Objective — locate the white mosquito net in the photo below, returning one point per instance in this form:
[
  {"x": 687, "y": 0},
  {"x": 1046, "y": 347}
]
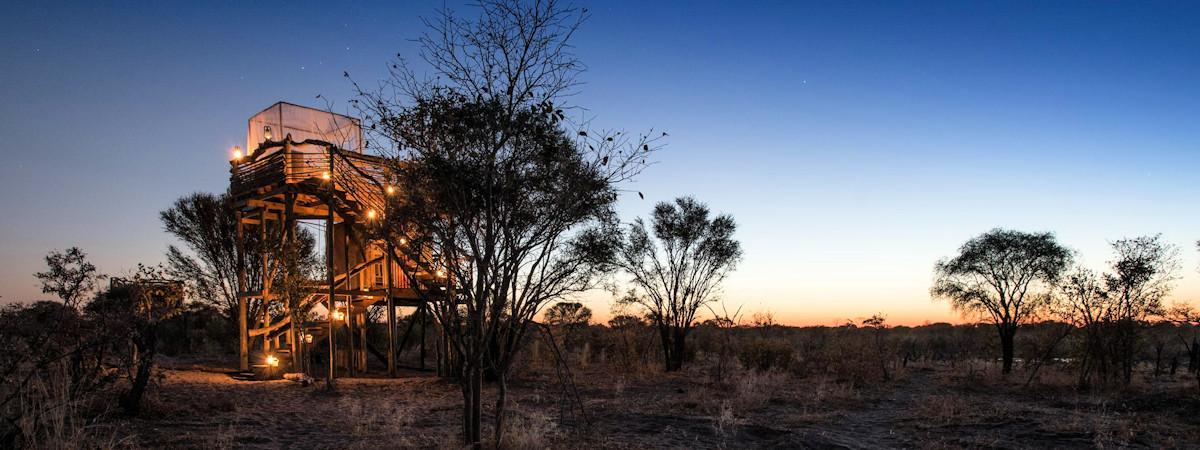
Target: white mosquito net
[{"x": 282, "y": 119}]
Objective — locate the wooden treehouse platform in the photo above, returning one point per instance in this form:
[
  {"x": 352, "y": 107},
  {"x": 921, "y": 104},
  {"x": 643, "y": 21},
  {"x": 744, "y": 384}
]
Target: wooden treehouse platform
[{"x": 305, "y": 176}]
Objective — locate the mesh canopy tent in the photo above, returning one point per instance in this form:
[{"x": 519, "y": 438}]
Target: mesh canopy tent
[{"x": 283, "y": 119}]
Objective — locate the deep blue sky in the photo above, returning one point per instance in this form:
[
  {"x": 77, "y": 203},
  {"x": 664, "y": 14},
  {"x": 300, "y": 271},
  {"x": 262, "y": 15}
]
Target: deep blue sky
[{"x": 854, "y": 142}]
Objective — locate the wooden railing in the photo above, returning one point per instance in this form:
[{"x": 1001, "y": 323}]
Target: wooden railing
[{"x": 361, "y": 177}]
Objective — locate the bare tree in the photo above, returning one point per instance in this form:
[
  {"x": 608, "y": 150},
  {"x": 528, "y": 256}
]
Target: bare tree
[
  {"x": 1187, "y": 320},
  {"x": 1004, "y": 276},
  {"x": 1082, "y": 302},
  {"x": 499, "y": 196},
  {"x": 134, "y": 308},
  {"x": 69, "y": 275},
  {"x": 678, "y": 268}
]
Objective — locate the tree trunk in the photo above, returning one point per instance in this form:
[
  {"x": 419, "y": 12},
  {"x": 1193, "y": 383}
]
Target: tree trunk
[
  {"x": 678, "y": 350},
  {"x": 1006, "y": 347},
  {"x": 501, "y": 398},
  {"x": 472, "y": 388},
  {"x": 665, "y": 339},
  {"x": 145, "y": 343}
]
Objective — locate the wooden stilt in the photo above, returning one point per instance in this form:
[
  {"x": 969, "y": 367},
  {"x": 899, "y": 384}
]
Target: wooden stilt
[
  {"x": 424, "y": 310},
  {"x": 391, "y": 314},
  {"x": 264, "y": 309},
  {"x": 352, "y": 357},
  {"x": 329, "y": 276},
  {"x": 289, "y": 235},
  {"x": 243, "y": 323}
]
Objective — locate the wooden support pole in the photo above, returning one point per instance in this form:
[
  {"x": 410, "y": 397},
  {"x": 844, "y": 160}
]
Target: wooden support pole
[
  {"x": 289, "y": 236},
  {"x": 352, "y": 358},
  {"x": 424, "y": 310},
  {"x": 362, "y": 339},
  {"x": 243, "y": 323},
  {"x": 329, "y": 276},
  {"x": 391, "y": 314},
  {"x": 265, "y": 317}
]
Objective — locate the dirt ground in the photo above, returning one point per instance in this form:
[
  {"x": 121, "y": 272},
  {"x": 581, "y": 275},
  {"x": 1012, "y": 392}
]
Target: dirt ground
[{"x": 930, "y": 407}]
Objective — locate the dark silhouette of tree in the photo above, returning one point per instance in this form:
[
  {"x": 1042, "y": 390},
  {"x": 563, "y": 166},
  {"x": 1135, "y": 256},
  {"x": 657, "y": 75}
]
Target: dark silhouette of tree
[
  {"x": 568, "y": 314},
  {"x": 133, "y": 308},
  {"x": 570, "y": 318},
  {"x": 207, "y": 225},
  {"x": 498, "y": 194},
  {"x": 69, "y": 276},
  {"x": 1004, "y": 276},
  {"x": 1142, "y": 274},
  {"x": 1082, "y": 302},
  {"x": 677, "y": 268},
  {"x": 878, "y": 324}
]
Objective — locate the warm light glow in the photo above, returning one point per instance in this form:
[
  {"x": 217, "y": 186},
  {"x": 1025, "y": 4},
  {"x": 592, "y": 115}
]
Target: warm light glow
[
  {"x": 441, "y": 273},
  {"x": 267, "y": 132},
  {"x": 308, "y": 338},
  {"x": 371, "y": 214},
  {"x": 391, "y": 190},
  {"x": 339, "y": 316},
  {"x": 237, "y": 153},
  {"x": 325, "y": 175},
  {"x": 403, "y": 241},
  {"x": 272, "y": 361}
]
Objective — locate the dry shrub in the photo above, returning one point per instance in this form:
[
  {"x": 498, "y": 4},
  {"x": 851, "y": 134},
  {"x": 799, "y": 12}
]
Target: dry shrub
[
  {"x": 724, "y": 421},
  {"x": 943, "y": 409},
  {"x": 755, "y": 388},
  {"x": 766, "y": 354},
  {"x": 50, "y": 416},
  {"x": 223, "y": 439},
  {"x": 823, "y": 390},
  {"x": 371, "y": 417},
  {"x": 529, "y": 430}
]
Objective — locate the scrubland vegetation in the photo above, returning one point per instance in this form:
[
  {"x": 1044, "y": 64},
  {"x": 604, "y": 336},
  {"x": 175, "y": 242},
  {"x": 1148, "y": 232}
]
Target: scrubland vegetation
[
  {"x": 752, "y": 384},
  {"x": 513, "y": 204}
]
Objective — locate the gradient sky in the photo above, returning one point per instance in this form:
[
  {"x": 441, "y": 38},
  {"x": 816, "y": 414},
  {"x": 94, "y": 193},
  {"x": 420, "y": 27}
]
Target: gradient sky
[{"x": 855, "y": 143}]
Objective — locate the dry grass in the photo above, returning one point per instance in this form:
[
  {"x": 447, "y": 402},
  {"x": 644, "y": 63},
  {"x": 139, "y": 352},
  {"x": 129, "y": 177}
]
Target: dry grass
[
  {"x": 930, "y": 407},
  {"x": 529, "y": 430}
]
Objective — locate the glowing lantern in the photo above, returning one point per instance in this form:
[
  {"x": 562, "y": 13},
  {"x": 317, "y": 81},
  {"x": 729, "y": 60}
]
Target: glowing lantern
[
  {"x": 267, "y": 132},
  {"x": 272, "y": 361},
  {"x": 371, "y": 214},
  {"x": 403, "y": 241},
  {"x": 339, "y": 316},
  {"x": 441, "y": 273},
  {"x": 237, "y": 153},
  {"x": 308, "y": 338},
  {"x": 325, "y": 175},
  {"x": 391, "y": 190}
]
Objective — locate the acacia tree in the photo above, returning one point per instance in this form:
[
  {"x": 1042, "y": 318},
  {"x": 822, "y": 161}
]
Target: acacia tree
[
  {"x": 677, "y": 268},
  {"x": 502, "y": 201},
  {"x": 570, "y": 317},
  {"x": 69, "y": 275},
  {"x": 1005, "y": 276},
  {"x": 1142, "y": 274},
  {"x": 568, "y": 314},
  {"x": 207, "y": 225}
]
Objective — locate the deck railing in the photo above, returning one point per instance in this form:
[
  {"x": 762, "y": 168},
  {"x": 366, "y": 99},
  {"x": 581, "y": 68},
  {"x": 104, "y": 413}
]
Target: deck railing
[{"x": 361, "y": 177}]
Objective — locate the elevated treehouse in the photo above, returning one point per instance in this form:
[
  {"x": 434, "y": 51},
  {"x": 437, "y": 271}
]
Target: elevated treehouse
[{"x": 306, "y": 165}]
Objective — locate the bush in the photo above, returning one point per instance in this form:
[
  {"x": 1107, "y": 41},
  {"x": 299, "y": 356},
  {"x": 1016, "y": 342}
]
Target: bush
[{"x": 766, "y": 354}]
